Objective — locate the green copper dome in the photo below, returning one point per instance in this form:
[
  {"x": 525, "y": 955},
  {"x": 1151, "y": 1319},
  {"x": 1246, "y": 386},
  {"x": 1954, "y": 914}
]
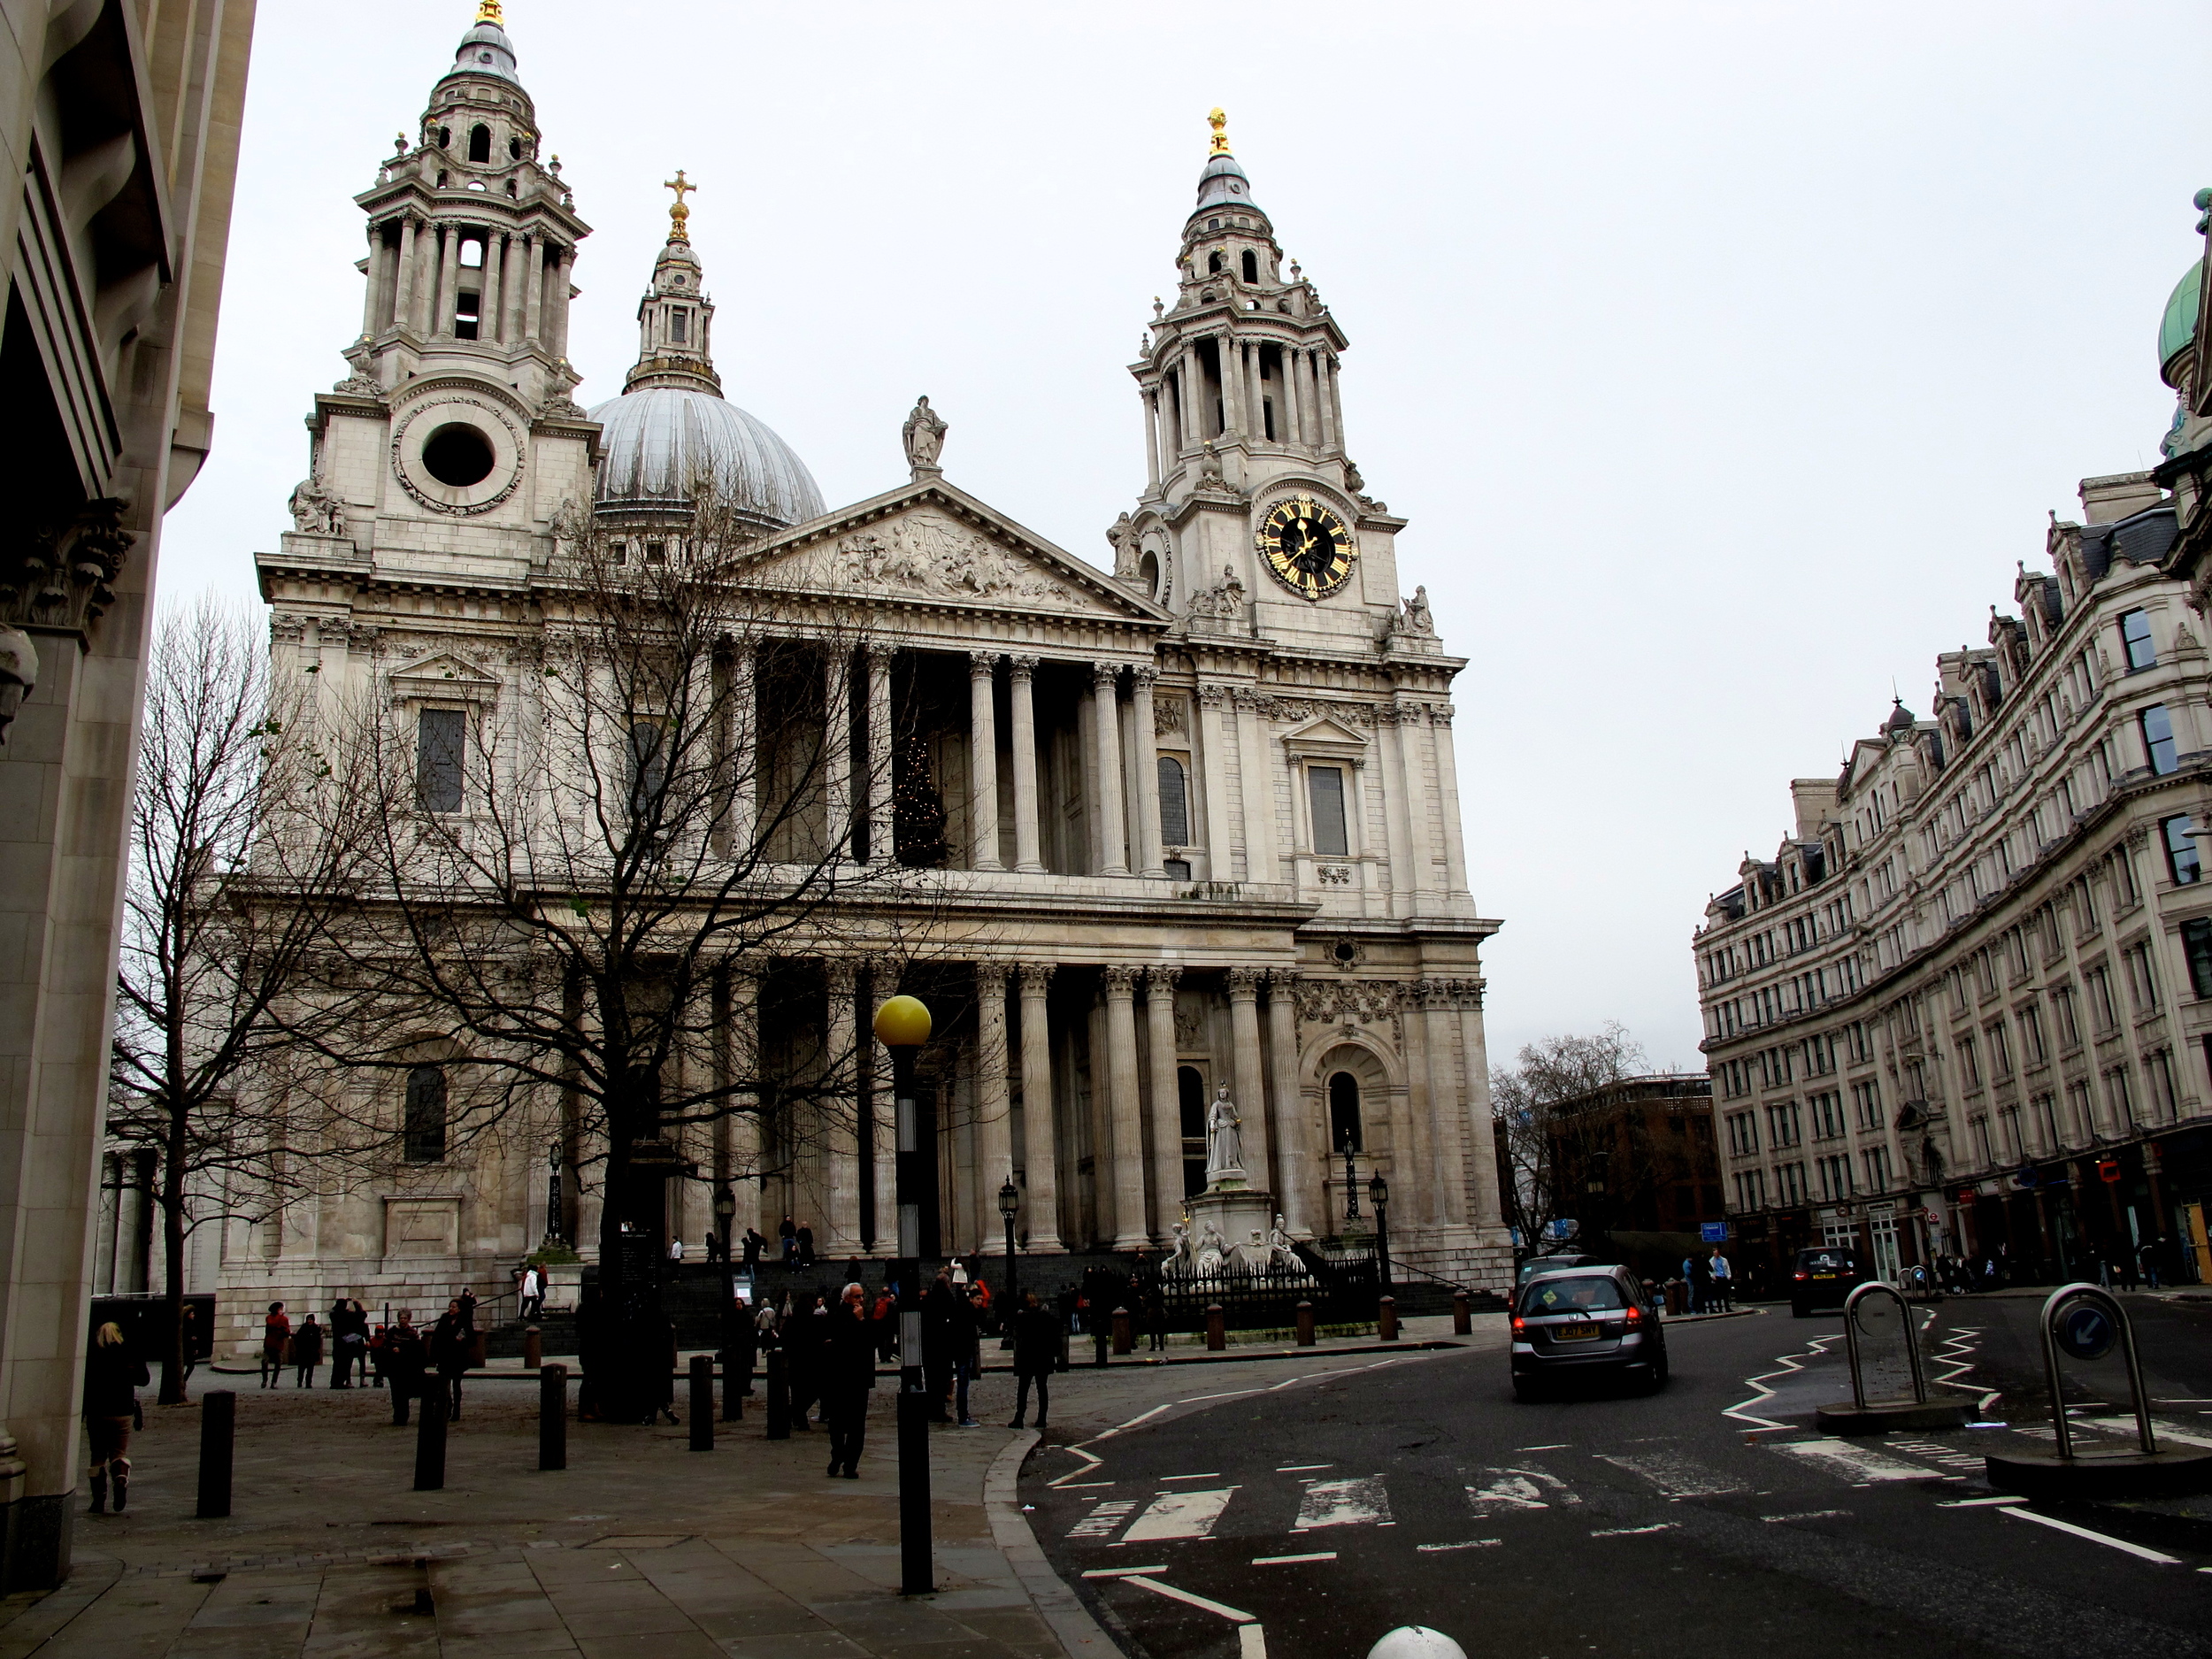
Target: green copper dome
[{"x": 2178, "y": 327}]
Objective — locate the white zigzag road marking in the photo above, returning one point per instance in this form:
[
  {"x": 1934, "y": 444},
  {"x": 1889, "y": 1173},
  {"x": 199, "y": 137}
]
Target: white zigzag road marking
[
  {"x": 1959, "y": 1359},
  {"x": 1817, "y": 1348}
]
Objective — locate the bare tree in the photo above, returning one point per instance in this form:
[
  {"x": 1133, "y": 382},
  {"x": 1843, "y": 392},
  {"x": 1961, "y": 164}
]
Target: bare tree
[
  {"x": 201, "y": 977},
  {"x": 689, "y": 792},
  {"x": 1543, "y": 1147}
]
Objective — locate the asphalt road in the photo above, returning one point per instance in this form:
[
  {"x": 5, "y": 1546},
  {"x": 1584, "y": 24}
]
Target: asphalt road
[{"x": 1302, "y": 1518}]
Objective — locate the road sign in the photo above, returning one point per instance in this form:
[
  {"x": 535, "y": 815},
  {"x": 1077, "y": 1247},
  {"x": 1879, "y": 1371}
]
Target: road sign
[
  {"x": 2108, "y": 1171},
  {"x": 2086, "y": 1331},
  {"x": 1713, "y": 1231}
]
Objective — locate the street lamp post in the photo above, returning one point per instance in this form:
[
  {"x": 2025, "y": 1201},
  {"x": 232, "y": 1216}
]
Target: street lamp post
[
  {"x": 553, "y": 1232},
  {"x": 1351, "y": 1178},
  {"x": 724, "y": 1217},
  {"x": 1009, "y": 1203},
  {"x": 1378, "y": 1194},
  {"x": 902, "y": 1025}
]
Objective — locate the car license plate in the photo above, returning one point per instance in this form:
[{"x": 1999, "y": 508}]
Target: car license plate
[{"x": 1574, "y": 1333}]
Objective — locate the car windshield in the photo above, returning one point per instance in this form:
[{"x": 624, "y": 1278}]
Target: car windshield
[
  {"x": 1546, "y": 1264},
  {"x": 1824, "y": 1262},
  {"x": 1596, "y": 1294}
]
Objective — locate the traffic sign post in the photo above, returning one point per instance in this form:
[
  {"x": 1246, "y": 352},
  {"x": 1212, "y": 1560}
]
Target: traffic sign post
[{"x": 2085, "y": 1323}]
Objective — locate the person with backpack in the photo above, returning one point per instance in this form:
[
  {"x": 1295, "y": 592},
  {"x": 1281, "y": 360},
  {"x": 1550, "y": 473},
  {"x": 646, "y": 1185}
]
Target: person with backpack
[{"x": 1037, "y": 1337}]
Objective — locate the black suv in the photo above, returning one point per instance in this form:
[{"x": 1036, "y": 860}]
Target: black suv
[
  {"x": 1823, "y": 1277},
  {"x": 1579, "y": 1321}
]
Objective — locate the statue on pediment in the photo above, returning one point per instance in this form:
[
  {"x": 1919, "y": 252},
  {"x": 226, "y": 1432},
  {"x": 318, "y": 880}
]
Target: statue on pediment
[{"x": 924, "y": 436}]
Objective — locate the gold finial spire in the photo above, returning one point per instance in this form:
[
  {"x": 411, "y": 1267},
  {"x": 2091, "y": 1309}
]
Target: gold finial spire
[
  {"x": 1218, "y": 120},
  {"x": 488, "y": 11},
  {"x": 677, "y": 211}
]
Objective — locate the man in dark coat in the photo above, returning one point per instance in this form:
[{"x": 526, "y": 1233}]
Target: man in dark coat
[
  {"x": 1036, "y": 1353},
  {"x": 849, "y": 1372},
  {"x": 404, "y": 1360},
  {"x": 452, "y": 1346},
  {"x": 938, "y": 1345}
]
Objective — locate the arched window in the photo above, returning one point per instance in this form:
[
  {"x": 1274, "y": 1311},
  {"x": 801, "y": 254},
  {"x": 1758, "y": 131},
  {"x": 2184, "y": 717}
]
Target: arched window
[
  {"x": 1213, "y": 264},
  {"x": 1251, "y": 267},
  {"x": 1344, "y": 1125},
  {"x": 423, "y": 1132},
  {"x": 1174, "y": 803},
  {"x": 480, "y": 144},
  {"x": 514, "y": 150}
]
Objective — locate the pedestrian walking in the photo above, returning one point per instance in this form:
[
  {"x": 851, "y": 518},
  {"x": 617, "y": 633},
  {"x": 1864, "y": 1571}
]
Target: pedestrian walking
[
  {"x": 967, "y": 1353},
  {"x": 452, "y": 1346},
  {"x": 276, "y": 1338},
  {"x": 788, "y": 1234},
  {"x": 2126, "y": 1257},
  {"x": 753, "y": 1245},
  {"x": 849, "y": 1374},
  {"x": 307, "y": 1352},
  {"x": 1701, "y": 1282},
  {"x": 1037, "y": 1335},
  {"x": 937, "y": 1345},
  {"x": 405, "y": 1364},
  {"x": 2152, "y": 1257},
  {"x": 804, "y": 1239},
  {"x": 349, "y": 1347},
  {"x": 191, "y": 1338},
  {"x": 379, "y": 1353},
  {"x": 113, "y": 1374},
  {"x": 532, "y": 1289},
  {"x": 1155, "y": 1316},
  {"x": 1722, "y": 1279}
]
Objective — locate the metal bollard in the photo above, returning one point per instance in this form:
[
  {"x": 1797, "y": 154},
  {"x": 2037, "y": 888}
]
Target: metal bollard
[
  {"x": 533, "y": 1348},
  {"x": 701, "y": 1403},
  {"x": 779, "y": 1397},
  {"x": 734, "y": 1383},
  {"x": 1121, "y": 1330},
  {"x": 1462, "y": 1314},
  {"x": 1216, "y": 1329},
  {"x": 430, "y": 1440},
  {"x": 218, "y": 1433},
  {"x": 1305, "y": 1325},
  {"x": 553, "y": 1416},
  {"x": 1387, "y": 1319}
]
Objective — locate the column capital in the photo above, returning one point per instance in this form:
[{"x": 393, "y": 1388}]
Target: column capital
[
  {"x": 1105, "y": 676},
  {"x": 1021, "y": 666},
  {"x": 1142, "y": 677},
  {"x": 881, "y": 650},
  {"x": 1244, "y": 984},
  {"x": 1213, "y": 696},
  {"x": 1035, "y": 976},
  {"x": 982, "y": 665},
  {"x": 1282, "y": 982},
  {"x": 840, "y": 974},
  {"x": 1162, "y": 977},
  {"x": 992, "y": 976},
  {"x": 1121, "y": 981}
]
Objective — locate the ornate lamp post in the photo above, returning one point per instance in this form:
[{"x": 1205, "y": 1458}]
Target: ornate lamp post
[
  {"x": 553, "y": 1235},
  {"x": 901, "y": 1026},
  {"x": 1378, "y": 1195},
  {"x": 1009, "y": 1203},
  {"x": 1351, "y": 1181}
]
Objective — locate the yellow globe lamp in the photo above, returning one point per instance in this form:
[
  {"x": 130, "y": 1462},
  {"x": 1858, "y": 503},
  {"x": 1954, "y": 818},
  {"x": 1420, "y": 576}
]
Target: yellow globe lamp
[{"x": 902, "y": 1022}]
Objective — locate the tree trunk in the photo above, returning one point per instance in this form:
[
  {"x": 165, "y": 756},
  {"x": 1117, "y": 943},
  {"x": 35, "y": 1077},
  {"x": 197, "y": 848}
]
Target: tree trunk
[{"x": 173, "y": 1358}]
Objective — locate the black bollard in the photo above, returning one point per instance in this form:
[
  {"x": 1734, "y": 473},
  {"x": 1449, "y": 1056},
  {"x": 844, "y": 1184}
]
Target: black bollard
[
  {"x": 779, "y": 1398},
  {"x": 734, "y": 1383},
  {"x": 1305, "y": 1325},
  {"x": 430, "y": 1442},
  {"x": 553, "y": 1416},
  {"x": 1463, "y": 1314},
  {"x": 219, "y": 1433},
  {"x": 702, "y": 1402}
]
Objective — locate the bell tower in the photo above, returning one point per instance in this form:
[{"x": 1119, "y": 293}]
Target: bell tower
[{"x": 1247, "y": 483}]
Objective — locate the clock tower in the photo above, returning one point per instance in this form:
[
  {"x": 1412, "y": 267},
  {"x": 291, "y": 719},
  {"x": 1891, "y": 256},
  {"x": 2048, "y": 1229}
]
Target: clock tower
[{"x": 1254, "y": 521}]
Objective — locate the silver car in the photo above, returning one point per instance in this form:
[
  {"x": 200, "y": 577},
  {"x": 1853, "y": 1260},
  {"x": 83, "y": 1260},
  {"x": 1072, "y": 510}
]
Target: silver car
[{"x": 1587, "y": 1322}]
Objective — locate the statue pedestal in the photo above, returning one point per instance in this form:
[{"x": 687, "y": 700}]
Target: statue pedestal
[{"x": 1241, "y": 1215}]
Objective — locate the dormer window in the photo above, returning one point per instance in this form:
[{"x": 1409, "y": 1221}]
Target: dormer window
[{"x": 480, "y": 142}]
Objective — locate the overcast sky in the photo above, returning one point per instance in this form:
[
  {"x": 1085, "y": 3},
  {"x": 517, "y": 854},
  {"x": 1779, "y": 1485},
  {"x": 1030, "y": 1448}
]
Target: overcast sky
[{"x": 1725, "y": 358}]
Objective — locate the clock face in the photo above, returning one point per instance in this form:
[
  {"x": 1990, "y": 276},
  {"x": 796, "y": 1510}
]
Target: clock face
[{"x": 1306, "y": 547}]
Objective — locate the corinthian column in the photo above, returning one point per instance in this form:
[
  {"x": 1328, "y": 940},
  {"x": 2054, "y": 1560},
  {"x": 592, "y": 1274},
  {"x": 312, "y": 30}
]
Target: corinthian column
[
  {"x": 993, "y": 1106},
  {"x": 1167, "y": 1099},
  {"x": 837, "y": 755},
  {"x": 488, "y": 305},
  {"x": 1040, "y": 1205},
  {"x": 1021, "y": 673},
  {"x": 883, "y": 1123},
  {"x": 534, "y": 285},
  {"x": 841, "y": 1128},
  {"x": 740, "y": 1058},
  {"x": 1487, "y": 1208},
  {"x": 449, "y": 279},
  {"x": 1148, "y": 777},
  {"x": 1127, "y": 1117},
  {"x": 1106, "y": 727},
  {"x": 1244, "y": 1027},
  {"x": 1298, "y": 1159},
  {"x": 983, "y": 761},
  {"x": 403, "y": 291},
  {"x": 882, "y": 837}
]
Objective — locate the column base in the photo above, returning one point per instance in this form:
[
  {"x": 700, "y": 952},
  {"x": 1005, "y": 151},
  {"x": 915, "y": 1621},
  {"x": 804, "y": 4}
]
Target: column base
[{"x": 1030, "y": 870}]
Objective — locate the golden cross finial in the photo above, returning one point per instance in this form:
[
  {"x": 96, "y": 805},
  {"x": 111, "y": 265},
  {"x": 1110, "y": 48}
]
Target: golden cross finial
[
  {"x": 678, "y": 212},
  {"x": 1218, "y": 120},
  {"x": 488, "y": 11}
]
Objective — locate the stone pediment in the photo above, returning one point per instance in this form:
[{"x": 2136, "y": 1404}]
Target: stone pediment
[
  {"x": 1324, "y": 734},
  {"x": 929, "y": 543},
  {"x": 443, "y": 675}
]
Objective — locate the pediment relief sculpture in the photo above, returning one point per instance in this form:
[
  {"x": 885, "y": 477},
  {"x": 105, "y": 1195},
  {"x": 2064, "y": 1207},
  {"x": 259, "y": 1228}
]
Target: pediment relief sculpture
[{"x": 929, "y": 555}]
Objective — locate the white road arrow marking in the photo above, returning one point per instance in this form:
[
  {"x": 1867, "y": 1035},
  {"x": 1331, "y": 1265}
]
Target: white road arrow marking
[
  {"x": 1518, "y": 1489},
  {"x": 1343, "y": 1503}
]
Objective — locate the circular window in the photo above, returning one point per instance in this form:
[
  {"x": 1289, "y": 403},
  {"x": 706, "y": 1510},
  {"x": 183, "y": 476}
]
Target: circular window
[{"x": 457, "y": 454}]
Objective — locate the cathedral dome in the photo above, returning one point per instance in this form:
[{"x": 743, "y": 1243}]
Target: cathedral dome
[
  {"x": 486, "y": 51},
  {"x": 660, "y": 439},
  {"x": 2178, "y": 327}
]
